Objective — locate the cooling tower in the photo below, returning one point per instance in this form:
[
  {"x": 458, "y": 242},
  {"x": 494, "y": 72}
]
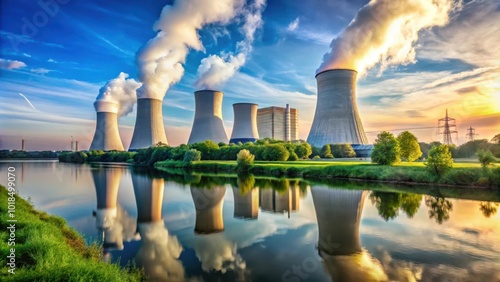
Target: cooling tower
[
  {"x": 208, "y": 204},
  {"x": 106, "y": 135},
  {"x": 336, "y": 119},
  {"x": 246, "y": 206},
  {"x": 148, "y": 197},
  {"x": 208, "y": 124},
  {"x": 149, "y": 128},
  {"x": 245, "y": 123}
]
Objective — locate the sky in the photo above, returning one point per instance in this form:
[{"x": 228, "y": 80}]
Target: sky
[{"x": 58, "y": 54}]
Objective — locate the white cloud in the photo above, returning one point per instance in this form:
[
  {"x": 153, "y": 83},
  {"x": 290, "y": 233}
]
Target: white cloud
[
  {"x": 293, "y": 25},
  {"x": 27, "y": 55},
  {"x": 11, "y": 64},
  {"x": 40, "y": 70},
  {"x": 51, "y": 60}
]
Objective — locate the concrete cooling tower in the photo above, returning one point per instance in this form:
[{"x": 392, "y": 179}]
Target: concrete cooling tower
[
  {"x": 336, "y": 119},
  {"x": 148, "y": 197},
  {"x": 245, "y": 123},
  {"x": 106, "y": 135},
  {"x": 149, "y": 128},
  {"x": 208, "y": 124},
  {"x": 208, "y": 204}
]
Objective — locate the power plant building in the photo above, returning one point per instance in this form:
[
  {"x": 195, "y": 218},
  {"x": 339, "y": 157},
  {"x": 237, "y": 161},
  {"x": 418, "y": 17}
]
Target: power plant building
[
  {"x": 245, "y": 123},
  {"x": 106, "y": 136},
  {"x": 278, "y": 123},
  {"x": 208, "y": 123},
  {"x": 336, "y": 119}
]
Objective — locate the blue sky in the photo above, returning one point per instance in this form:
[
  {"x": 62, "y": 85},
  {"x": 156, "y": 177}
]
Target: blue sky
[{"x": 59, "y": 60}]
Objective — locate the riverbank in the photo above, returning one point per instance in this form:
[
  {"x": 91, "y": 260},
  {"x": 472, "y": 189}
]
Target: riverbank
[
  {"x": 47, "y": 249},
  {"x": 461, "y": 175}
]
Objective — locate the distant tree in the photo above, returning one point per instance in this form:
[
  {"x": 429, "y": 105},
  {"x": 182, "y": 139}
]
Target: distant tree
[
  {"x": 439, "y": 160},
  {"x": 342, "y": 151},
  {"x": 244, "y": 160},
  {"x": 485, "y": 157},
  {"x": 469, "y": 149},
  {"x": 409, "y": 147},
  {"x": 192, "y": 156},
  {"x": 316, "y": 152},
  {"x": 386, "y": 149},
  {"x": 496, "y": 139},
  {"x": 326, "y": 152},
  {"x": 207, "y": 149},
  {"x": 275, "y": 152},
  {"x": 303, "y": 150}
]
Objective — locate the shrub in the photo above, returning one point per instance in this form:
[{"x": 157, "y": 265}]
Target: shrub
[
  {"x": 326, "y": 152},
  {"x": 293, "y": 157},
  {"x": 303, "y": 150},
  {"x": 244, "y": 160},
  {"x": 485, "y": 157},
  {"x": 342, "y": 151},
  {"x": 192, "y": 156},
  {"x": 275, "y": 152},
  {"x": 386, "y": 149},
  {"x": 409, "y": 147},
  {"x": 316, "y": 157},
  {"x": 439, "y": 160}
]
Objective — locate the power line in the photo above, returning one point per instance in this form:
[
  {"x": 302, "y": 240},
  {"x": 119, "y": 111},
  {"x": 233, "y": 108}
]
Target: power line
[
  {"x": 401, "y": 129},
  {"x": 448, "y": 127}
]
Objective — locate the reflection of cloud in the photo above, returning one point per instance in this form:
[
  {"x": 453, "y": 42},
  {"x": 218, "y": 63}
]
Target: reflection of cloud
[
  {"x": 159, "y": 253},
  {"x": 352, "y": 268}
]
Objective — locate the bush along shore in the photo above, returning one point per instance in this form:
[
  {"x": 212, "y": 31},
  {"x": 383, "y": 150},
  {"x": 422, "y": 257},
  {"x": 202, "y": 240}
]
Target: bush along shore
[
  {"x": 464, "y": 176},
  {"x": 41, "y": 247}
]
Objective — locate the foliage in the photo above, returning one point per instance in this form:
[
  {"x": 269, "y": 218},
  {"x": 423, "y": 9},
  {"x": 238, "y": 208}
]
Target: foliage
[
  {"x": 275, "y": 152},
  {"x": 15, "y": 154},
  {"x": 496, "y": 139},
  {"x": 192, "y": 155},
  {"x": 303, "y": 150},
  {"x": 389, "y": 204},
  {"x": 439, "y": 160},
  {"x": 244, "y": 160},
  {"x": 73, "y": 157},
  {"x": 317, "y": 157},
  {"x": 207, "y": 149},
  {"x": 409, "y": 147},
  {"x": 316, "y": 152},
  {"x": 386, "y": 149},
  {"x": 326, "y": 152},
  {"x": 439, "y": 208},
  {"x": 342, "y": 151},
  {"x": 293, "y": 157},
  {"x": 485, "y": 157}
]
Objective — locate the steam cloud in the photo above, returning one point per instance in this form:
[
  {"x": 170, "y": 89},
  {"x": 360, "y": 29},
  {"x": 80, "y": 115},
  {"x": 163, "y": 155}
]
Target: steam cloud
[
  {"x": 385, "y": 32},
  {"x": 217, "y": 69},
  {"x": 121, "y": 90},
  {"x": 160, "y": 60}
]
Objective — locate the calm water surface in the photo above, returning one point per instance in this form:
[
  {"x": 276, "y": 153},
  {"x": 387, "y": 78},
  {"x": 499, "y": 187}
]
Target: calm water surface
[{"x": 187, "y": 227}]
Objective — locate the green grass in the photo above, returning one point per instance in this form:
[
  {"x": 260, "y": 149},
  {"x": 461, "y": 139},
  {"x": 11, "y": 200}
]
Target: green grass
[{"x": 48, "y": 250}]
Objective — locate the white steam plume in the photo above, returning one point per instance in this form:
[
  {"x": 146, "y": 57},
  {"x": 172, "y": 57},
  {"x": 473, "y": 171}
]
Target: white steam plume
[
  {"x": 121, "y": 90},
  {"x": 160, "y": 60},
  {"x": 385, "y": 32},
  {"x": 217, "y": 69}
]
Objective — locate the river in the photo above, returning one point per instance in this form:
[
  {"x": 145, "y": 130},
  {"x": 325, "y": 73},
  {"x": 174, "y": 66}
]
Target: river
[{"x": 180, "y": 226}]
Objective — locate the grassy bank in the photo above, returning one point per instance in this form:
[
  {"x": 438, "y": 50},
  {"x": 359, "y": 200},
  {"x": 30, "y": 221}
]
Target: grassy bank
[
  {"x": 465, "y": 175},
  {"x": 46, "y": 249}
]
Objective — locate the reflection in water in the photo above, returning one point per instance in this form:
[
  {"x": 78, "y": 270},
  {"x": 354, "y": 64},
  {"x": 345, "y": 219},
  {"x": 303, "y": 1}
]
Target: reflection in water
[
  {"x": 339, "y": 214},
  {"x": 389, "y": 204},
  {"x": 159, "y": 252},
  {"x": 280, "y": 201},
  {"x": 488, "y": 208},
  {"x": 208, "y": 204},
  {"x": 246, "y": 204},
  {"x": 439, "y": 208}
]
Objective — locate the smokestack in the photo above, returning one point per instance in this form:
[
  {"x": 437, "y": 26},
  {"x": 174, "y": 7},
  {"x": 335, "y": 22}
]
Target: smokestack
[
  {"x": 23, "y": 145},
  {"x": 106, "y": 135},
  {"x": 208, "y": 204},
  {"x": 149, "y": 129},
  {"x": 287, "y": 123},
  {"x": 336, "y": 119},
  {"x": 245, "y": 123},
  {"x": 208, "y": 124}
]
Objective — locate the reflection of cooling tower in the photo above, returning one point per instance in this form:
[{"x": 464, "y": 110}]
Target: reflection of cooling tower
[
  {"x": 148, "y": 197},
  {"x": 208, "y": 123},
  {"x": 279, "y": 202},
  {"x": 106, "y": 135},
  {"x": 245, "y": 123},
  {"x": 338, "y": 213},
  {"x": 208, "y": 204},
  {"x": 336, "y": 119},
  {"x": 247, "y": 205},
  {"x": 149, "y": 128},
  {"x": 107, "y": 182}
]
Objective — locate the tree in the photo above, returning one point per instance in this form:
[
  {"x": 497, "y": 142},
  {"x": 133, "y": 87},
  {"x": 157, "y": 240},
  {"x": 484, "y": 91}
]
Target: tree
[
  {"x": 485, "y": 157},
  {"x": 342, "y": 151},
  {"x": 439, "y": 208},
  {"x": 326, "y": 152},
  {"x": 386, "y": 149},
  {"x": 496, "y": 139},
  {"x": 275, "y": 152},
  {"x": 192, "y": 156},
  {"x": 244, "y": 160},
  {"x": 303, "y": 150},
  {"x": 439, "y": 160},
  {"x": 409, "y": 147}
]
